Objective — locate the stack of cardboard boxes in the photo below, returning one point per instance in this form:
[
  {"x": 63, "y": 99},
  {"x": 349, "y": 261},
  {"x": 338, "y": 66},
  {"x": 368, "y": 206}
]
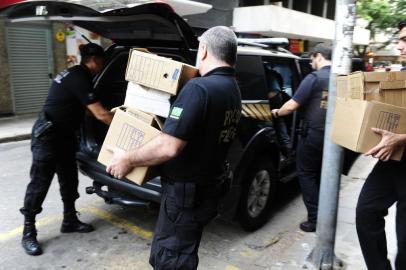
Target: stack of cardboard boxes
[
  {"x": 366, "y": 100},
  {"x": 152, "y": 81}
]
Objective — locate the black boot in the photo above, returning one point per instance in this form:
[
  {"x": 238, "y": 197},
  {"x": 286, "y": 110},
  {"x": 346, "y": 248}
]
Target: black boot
[
  {"x": 308, "y": 226},
  {"x": 29, "y": 241},
  {"x": 71, "y": 223}
]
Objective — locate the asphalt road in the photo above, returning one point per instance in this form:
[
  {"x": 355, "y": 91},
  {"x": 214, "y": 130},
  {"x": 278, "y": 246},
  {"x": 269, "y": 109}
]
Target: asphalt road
[{"x": 123, "y": 235}]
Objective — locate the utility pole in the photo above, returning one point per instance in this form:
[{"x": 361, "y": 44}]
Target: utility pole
[{"x": 322, "y": 255}]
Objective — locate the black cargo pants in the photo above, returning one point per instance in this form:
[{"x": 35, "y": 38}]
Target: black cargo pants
[
  {"x": 384, "y": 186},
  {"x": 308, "y": 164},
  {"x": 52, "y": 152},
  {"x": 183, "y": 213}
]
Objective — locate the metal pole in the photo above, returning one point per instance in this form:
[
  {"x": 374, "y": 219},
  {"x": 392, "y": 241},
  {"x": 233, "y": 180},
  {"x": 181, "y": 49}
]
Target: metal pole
[{"x": 322, "y": 255}]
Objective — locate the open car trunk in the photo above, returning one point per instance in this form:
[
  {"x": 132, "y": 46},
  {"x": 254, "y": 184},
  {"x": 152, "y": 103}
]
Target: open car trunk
[
  {"x": 110, "y": 87},
  {"x": 145, "y": 25},
  {"x": 154, "y": 26}
]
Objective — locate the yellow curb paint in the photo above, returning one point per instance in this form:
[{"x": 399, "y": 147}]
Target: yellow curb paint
[
  {"x": 116, "y": 221},
  {"x": 230, "y": 267},
  {"x": 119, "y": 222},
  {"x": 19, "y": 230}
]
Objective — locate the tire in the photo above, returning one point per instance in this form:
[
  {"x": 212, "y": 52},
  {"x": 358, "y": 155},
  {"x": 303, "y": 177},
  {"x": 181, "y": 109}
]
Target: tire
[{"x": 258, "y": 191}]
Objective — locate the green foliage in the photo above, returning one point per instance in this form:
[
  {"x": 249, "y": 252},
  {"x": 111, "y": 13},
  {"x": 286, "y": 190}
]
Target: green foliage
[{"x": 382, "y": 16}]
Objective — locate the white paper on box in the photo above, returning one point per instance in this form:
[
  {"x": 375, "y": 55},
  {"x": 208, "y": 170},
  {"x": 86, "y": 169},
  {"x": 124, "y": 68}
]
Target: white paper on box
[{"x": 147, "y": 99}]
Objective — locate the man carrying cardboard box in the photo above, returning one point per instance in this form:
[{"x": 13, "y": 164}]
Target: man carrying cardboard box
[
  {"x": 384, "y": 186},
  {"x": 53, "y": 143},
  {"x": 311, "y": 100},
  {"x": 193, "y": 148}
]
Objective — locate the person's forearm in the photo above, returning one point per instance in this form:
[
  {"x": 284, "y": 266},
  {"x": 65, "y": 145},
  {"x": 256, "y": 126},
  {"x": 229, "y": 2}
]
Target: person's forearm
[
  {"x": 288, "y": 108},
  {"x": 285, "y": 110},
  {"x": 106, "y": 118},
  {"x": 155, "y": 152}
]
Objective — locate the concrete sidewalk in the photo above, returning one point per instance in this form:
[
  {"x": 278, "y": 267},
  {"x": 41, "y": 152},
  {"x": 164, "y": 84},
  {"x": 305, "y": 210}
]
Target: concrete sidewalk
[
  {"x": 16, "y": 128},
  {"x": 347, "y": 246},
  {"x": 294, "y": 256}
]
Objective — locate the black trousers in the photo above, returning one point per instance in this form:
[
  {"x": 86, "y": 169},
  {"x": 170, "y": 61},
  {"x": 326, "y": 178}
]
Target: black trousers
[
  {"x": 309, "y": 155},
  {"x": 52, "y": 152},
  {"x": 384, "y": 186},
  {"x": 182, "y": 216}
]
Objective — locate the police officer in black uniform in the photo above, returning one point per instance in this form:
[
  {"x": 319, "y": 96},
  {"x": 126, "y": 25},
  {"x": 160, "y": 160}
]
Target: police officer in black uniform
[
  {"x": 194, "y": 144},
  {"x": 53, "y": 143},
  {"x": 384, "y": 186},
  {"x": 311, "y": 100}
]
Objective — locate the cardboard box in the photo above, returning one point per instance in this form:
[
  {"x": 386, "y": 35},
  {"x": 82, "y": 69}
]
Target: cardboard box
[
  {"x": 158, "y": 72},
  {"x": 129, "y": 130},
  {"x": 353, "y": 120},
  {"x": 385, "y": 87},
  {"x": 342, "y": 87},
  {"x": 147, "y": 99}
]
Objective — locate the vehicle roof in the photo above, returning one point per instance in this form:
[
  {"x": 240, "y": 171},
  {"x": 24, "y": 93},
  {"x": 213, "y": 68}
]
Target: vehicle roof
[{"x": 250, "y": 50}]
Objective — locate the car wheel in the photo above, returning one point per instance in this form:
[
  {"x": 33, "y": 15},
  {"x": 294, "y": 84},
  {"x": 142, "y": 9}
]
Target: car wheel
[{"x": 259, "y": 189}]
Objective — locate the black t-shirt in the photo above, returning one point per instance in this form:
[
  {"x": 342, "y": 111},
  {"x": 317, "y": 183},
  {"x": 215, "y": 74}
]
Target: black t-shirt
[
  {"x": 312, "y": 96},
  {"x": 205, "y": 114},
  {"x": 71, "y": 91}
]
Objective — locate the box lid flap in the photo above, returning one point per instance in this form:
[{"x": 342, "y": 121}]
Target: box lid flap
[
  {"x": 356, "y": 85},
  {"x": 384, "y": 76},
  {"x": 392, "y": 85}
]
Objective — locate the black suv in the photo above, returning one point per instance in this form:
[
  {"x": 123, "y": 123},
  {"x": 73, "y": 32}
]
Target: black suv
[{"x": 256, "y": 169}]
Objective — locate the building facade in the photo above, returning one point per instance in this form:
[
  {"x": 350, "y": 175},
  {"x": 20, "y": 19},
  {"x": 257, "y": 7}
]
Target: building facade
[{"x": 31, "y": 53}]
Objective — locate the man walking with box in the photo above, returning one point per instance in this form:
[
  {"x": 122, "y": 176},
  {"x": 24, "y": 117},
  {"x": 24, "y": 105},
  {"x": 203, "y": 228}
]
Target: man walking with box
[
  {"x": 384, "y": 186},
  {"x": 193, "y": 147}
]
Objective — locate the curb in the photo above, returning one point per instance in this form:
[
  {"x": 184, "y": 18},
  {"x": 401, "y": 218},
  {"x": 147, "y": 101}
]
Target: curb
[{"x": 15, "y": 138}]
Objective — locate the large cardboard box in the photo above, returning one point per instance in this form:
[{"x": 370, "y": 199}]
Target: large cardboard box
[
  {"x": 147, "y": 99},
  {"x": 353, "y": 120},
  {"x": 385, "y": 87},
  {"x": 158, "y": 72},
  {"x": 129, "y": 129}
]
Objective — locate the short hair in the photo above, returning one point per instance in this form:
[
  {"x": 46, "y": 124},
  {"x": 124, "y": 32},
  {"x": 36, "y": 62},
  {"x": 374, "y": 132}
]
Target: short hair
[
  {"x": 90, "y": 49},
  {"x": 402, "y": 24},
  {"x": 322, "y": 49},
  {"x": 221, "y": 43}
]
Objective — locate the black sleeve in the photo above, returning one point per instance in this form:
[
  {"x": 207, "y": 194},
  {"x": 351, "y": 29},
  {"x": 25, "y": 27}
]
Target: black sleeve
[
  {"x": 82, "y": 88},
  {"x": 187, "y": 113},
  {"x": 305, "y": 89}
]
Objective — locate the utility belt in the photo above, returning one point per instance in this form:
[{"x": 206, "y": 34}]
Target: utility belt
[{"x": 186, "y": 194}]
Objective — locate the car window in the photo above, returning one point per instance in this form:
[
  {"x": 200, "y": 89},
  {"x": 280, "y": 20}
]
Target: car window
[
  {"x": 287, "y": 74},
  {"x": 251, "y": 77}
]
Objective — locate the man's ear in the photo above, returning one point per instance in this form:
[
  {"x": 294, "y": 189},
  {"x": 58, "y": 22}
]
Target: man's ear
[{"x": 204, "y": 51}]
